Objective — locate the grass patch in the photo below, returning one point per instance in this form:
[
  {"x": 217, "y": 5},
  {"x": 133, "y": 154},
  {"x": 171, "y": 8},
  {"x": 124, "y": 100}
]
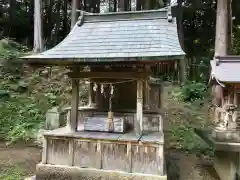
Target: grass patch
[
  {"x": 184, "y": 138},
  {"x": 12, "y": 173}
]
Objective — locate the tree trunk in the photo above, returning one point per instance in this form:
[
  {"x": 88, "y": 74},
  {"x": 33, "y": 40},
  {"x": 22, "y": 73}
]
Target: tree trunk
[
  {"x": 180, "y": 23},
  {"x": 38, "y": 45},
  {"x": 74, "y": 13},
  {"x": 49, "y": 23},
  {"x": 65, "y": 18},
  {"x": 12, "y": 10},
  {"x": 123, "y": 5},
  {"x": 223, "y": 34},
  {"x": 229, "y": 7},
  {"x": 221, "y": 41},
  {"x": 139, "y": 5},
  {"x": 56, "y": 36}
]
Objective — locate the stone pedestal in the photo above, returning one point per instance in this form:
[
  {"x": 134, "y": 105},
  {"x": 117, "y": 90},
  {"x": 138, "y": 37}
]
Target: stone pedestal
[
  {"x": 226, "y": 135},
  {"x": 226, "y": 165},
  {"x": 227, "y": 151}
]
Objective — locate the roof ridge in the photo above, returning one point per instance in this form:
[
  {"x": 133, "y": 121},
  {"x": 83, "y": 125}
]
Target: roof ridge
[
  {"x": 124, "y": 12},
  {"x": 123, "y": 16}
]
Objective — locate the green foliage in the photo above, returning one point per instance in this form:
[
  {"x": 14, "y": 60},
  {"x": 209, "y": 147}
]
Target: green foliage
[
  {"x": 12, "y": 173},
  {"x": 21, "y": 115},
  {"x": 236, "y": 40},
  {"x": 20, "y": 118},
  {"x": 189, "y": 92},
  {"x": 185, "y": 138}
]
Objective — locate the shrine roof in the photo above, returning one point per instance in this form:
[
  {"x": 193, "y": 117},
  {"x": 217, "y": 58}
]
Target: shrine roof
[
  {"x": 226, "y": 69},
  {"x": 117, "y": 37}
]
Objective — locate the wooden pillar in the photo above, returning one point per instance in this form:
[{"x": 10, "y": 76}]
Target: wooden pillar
[
  {"x": 74, "y": 13},
  {"x": 139, "y": 112},
  {"x": 73, "y": 120}
]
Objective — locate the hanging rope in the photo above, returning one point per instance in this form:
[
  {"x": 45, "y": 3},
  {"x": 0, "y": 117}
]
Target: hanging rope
[{"x": 110, "y": 113}]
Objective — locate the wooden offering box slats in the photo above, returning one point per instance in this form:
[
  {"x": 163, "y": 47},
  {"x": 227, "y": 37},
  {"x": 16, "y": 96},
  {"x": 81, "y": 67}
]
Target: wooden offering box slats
[
  {"x": 152, "y": 122},
  {"x": 101, "y": 124}
]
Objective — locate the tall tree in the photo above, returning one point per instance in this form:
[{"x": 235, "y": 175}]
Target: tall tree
[
  {"x": 222, "y": 42},
  {"x": 12, "y": 12},
  {"x": 38, "y": 42},
  {"x": 222, "y": 28},
  {"x": 74, "y": 12},
  {"x": 180, "y": 23}
]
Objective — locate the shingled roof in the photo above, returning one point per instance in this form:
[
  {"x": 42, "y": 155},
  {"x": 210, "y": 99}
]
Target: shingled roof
[
  {"x": 122, "y": 36},
  {"x": 226, "y": 69}
]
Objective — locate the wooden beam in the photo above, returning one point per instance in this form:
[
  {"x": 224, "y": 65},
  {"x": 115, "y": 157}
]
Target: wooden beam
[
  {"x": 109, "y": 75},
  {"x": 139, "y": 115},
  {"x": 72, "y": 121}
]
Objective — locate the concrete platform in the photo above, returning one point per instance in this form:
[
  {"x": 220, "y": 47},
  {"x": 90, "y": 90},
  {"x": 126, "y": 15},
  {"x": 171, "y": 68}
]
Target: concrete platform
[{"x": 57, "y": 172}]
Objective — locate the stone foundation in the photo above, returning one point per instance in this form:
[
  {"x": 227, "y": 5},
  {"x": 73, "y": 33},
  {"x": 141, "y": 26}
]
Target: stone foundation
[
  {"x": 226, "y": 135},
  {"x": 57, "y": 172}
]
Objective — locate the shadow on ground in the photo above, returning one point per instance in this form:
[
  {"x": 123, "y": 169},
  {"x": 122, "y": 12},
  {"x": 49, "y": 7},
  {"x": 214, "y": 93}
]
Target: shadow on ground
[{"x": 182, "y": 166}]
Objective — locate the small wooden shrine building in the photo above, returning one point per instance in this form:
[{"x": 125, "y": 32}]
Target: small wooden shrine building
[{"x": 120, "y": 134}]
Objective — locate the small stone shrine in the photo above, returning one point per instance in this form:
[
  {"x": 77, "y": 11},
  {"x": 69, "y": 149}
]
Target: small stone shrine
[
  {"x": 226, "y": 135},
  {"x": 119, "y": 135}
]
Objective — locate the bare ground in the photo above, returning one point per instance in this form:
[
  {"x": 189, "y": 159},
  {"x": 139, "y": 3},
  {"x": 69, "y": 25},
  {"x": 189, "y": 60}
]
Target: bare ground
[{"x": 25, "y": 158}]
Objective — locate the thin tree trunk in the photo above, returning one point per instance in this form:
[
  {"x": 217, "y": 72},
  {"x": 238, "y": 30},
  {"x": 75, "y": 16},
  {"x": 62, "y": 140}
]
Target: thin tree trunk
[
  {"x": 65, "y": 17},
  {"x": 180, "y": 23},
  {"x": 115, "y": 6},
  {"x": 12, "y": 10},
  {"x": 38, "y": 42},
  {"x": 139, "y": 5},
  {"x": 229, "y": 27},
  {"x": 180, "y": 29},
  {"x": 74, "y": 12},
  {"x": 221, "y": 41},
  {"x": 123, "y": 5},
  {"x": 49, "y": 22},
  {"x": 56, "y": 37}
]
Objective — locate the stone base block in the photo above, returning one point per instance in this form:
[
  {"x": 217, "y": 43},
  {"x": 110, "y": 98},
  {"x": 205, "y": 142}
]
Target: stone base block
[
  {"x": 56, "y": 172},
  {"x": 226, "y": 135},
  {"x": 226, "y": 165}
]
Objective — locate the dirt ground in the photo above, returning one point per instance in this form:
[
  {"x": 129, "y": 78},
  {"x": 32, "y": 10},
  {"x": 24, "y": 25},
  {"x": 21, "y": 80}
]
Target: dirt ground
[
  {"x": 24, "y": 157},
  {"x": 180, "y": 165}
]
